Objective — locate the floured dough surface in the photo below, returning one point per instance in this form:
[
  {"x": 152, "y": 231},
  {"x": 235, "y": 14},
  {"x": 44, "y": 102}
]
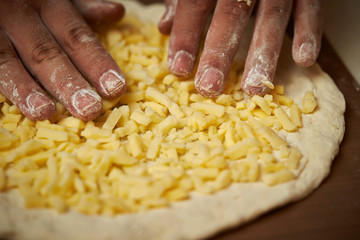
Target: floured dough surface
[{"x": 204, "y": 215}]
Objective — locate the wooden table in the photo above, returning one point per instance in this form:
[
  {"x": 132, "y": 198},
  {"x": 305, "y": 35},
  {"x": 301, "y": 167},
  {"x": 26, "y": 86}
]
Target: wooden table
[{"x": 333, "y": 210}]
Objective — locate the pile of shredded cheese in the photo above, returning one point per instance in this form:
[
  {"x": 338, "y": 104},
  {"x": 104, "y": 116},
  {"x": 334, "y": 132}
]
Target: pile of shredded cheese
[{"x": 153, "y": 146}]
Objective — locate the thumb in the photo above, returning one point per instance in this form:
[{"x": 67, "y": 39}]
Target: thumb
[{"x": 99, "y": 11}]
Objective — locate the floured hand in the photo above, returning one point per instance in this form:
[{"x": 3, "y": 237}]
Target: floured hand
[
  {"x": 186, "y": 20},
  {"x": 48, "y": 43}
]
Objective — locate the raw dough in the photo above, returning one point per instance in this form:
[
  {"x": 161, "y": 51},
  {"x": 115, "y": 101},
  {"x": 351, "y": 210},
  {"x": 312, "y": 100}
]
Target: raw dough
[{"x": 202, "y": 216}]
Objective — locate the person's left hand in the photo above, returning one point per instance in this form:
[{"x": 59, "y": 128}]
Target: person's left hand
[{"x": 47, "y": 43}]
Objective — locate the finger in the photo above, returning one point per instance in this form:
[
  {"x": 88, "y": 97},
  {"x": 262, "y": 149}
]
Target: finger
[
  {"x": 308, "y": 29},
  {"x": 271, "y": 20},
  {"x": 189, "y": 23},
  {"x": 100, "y": 12},
  {"x": 221, "y": 44},
  {"x": 47, "y": 62},
  {"x": 83, "y": 48},
  {"x": 166, "y": 21},
  {"x": 16, "y": 84}
]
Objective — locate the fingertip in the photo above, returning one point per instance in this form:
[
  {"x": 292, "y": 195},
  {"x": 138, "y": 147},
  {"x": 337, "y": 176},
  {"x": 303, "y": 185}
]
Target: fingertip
[
  {"x": 86, "y": 104},
  {"x": 100, "y": 12},
  {"x": 305, "y": 55},
  {"x": 252, "y": 91},
  {"x": 38, "y": 107},
  {"x": 182, "y": 64},
  {"x": 112, "y": 84},
  {"x": 255, "y": 84},
  {"x": 210, "y": 83},
  {"x": 164, "y": 27},
  {"x": 113, "y": 11}
]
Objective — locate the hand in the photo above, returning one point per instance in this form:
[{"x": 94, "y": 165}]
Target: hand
[
  {"x": 186, "y": 20},
  {"x": 48, "y": 43}
]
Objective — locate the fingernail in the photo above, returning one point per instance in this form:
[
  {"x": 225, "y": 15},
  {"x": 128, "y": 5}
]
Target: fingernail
[
  {"x": 112, "y": 83},
  {"x": 255, "y": 84},
  {"x": 39, "y": 106},
  {"x": 307, "y": 53},
  {"x": 211, "y": 82},
  {"x": 182, "y": 64},
  {"x": 87, "y": 104}
]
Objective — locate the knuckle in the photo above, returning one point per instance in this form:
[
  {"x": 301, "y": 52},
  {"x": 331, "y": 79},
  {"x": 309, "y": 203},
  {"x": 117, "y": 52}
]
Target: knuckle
[
  {"x": 7, "y": 56},
  {"x": 201, "y": 5},
  {"x": 78, "y": 35},
  {"x": 45, "y": 51},
  {"x": 234, "y": 9},
  {"x": 278, "y": 10}
]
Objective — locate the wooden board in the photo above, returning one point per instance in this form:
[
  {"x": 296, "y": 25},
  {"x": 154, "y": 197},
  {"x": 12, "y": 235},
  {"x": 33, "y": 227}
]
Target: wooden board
[{"x": 333, "y": 210}]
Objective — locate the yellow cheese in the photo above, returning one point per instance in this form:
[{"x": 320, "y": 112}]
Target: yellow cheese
[
  {"x": 72, "y": 122},
  {"x": 166, "y": 125},
  {"x": 7, "y": 139},
  {"x": 283, "y": 100},
  {"x": 309, "y": 103},
  {"x": 153, "y": 94},
  {"x": 293, "y": 159},
  {"x": 240, "y": 149},
  {"x": 284, "y": 119},
  {"x": 295, "y": 115},
  {"x": 135, "y": 145},
  {"x": 209, "y": 108},
  {"x": 112, "y": 119},
  {"x": 140, "y": 117},
  {"x": 275, "y": 141},
  {"x": 262, "y": 103},
  {"x": 278, "y": 177},
  {"x": 177, "y": 194},
  {"x": 59, "y": 136},
  {"x": 11, "y": 118}
]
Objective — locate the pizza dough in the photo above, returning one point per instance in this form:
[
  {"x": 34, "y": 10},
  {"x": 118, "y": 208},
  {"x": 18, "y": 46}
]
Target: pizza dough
[{"x": 204, "y": 215}]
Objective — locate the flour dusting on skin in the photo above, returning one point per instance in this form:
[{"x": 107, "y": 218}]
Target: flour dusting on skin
[
  {"x": 15, "y": 93},
  {"x": 11, "y": 88},
  {"x": 81, "y": 94},
  {"x": 110, "y": 81},
  {"x": 187, "y": 59},
  {"x": 56, "y": 71},
  {"x": 86, "y": 39},
  {"x": 220, "y": 48},
  {"x": 248, "y": 2},
  {"x": 307, "y": 51},
  {"x": 36, "y": 102},
  {"x": 258, "y": 75},
  {"x": 209, "y": 88}
]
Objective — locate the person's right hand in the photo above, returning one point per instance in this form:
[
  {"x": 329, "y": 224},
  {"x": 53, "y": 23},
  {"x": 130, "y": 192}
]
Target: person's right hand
[
  {"x": 186, "y": 20},
  {"x": 48, "y": 43}
]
